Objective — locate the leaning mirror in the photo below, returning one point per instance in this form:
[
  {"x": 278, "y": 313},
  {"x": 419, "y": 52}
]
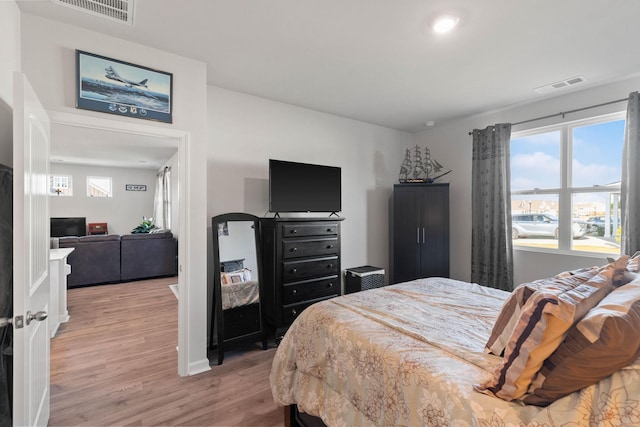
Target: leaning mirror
[{"x": 236, "y": 314}]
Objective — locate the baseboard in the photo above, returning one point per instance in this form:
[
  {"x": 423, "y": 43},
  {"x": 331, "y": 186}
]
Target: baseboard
[{"x": 199, "y": 367}]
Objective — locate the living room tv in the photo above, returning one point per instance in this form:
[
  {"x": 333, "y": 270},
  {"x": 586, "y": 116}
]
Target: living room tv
[
  {"x": 71, "y": 226},
  {"x": 304, "y": 187}
]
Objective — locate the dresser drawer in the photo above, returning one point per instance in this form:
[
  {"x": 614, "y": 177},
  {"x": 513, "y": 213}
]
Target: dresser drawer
[
  {"x": 302, "y": 291},
  {"x": 290, "y": 312},
  {"x": 293, "y": 271},
  {"x": 304, "y": 248},
  {"x": 292, "y": 230}
]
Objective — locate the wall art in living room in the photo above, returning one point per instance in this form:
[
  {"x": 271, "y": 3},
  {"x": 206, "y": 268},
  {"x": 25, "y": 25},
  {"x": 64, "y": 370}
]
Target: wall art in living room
[{"x": 117, "y": 87}]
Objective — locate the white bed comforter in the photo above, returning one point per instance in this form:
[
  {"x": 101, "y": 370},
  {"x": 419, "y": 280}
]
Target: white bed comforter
[{"x": 409, "y": 355}]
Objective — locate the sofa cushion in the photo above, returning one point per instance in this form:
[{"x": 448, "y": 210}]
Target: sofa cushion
[
  {"x": 143, "y": 236},
  {"x": 96, "y": 259},
  {"x": 148, "y": 255}
]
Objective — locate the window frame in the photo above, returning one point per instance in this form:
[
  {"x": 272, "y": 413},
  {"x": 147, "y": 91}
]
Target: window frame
[
  {"x": 52, "y": 178},
  {"x": 565, "y": 192},
  {"x": 109, "y": 194}
]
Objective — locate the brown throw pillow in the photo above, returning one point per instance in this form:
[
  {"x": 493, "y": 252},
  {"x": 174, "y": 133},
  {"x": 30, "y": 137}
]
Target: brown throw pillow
[
  {"x": 548, "y": 313},
  {"x": 605, "y": 340}
]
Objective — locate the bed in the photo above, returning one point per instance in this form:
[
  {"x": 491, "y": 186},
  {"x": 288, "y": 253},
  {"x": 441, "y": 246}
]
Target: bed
[
  {"x": 415, "y": 354},
  {"x": 238, "y": 288}
]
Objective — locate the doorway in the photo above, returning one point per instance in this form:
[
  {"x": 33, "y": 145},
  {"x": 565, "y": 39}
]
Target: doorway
[{"x": 150, "y": 139}]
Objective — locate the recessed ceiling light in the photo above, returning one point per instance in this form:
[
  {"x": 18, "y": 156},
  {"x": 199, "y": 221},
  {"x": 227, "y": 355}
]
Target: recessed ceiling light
[{"x": 445, "y": 23}]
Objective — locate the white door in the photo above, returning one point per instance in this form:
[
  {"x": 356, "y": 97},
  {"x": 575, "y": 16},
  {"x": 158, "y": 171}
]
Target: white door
[{"x": 30, "y": 257}]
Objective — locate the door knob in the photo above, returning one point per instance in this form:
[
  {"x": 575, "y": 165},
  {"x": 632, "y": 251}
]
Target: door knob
[
  {"x": 4, "y": 321},
  {"x": 39, "y": 316}
]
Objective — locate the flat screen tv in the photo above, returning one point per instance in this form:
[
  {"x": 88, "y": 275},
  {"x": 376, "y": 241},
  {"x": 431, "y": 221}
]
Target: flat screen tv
[
  {"x": 61, "y": 227},
  {"x": 303, "y": 187}
]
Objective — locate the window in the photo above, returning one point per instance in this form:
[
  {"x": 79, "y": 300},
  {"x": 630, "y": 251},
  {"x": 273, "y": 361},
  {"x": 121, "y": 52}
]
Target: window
[
  {"x": 98, "y": 186},
  {"x": 60, "y": 185},
  {"x": 565, "y": 185}
]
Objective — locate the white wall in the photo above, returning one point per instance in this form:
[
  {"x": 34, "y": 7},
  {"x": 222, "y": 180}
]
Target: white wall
[
  {"x": 122, "y": 212},
  {"x": 246, "y": 131},
  {"x": 451, "y": 144},
  {"x": 48, "y": 60},
  {"x": 9, "y": 62}
]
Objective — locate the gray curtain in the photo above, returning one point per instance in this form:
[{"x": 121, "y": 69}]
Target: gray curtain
[
  {"x": 491, "y": 245},
  {"x": 630, "y": 200},
  {"x": 162, "y": 200}
]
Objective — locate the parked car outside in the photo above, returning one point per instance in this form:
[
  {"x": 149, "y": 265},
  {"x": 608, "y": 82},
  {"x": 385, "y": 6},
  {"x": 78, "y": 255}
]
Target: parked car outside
[
  {"x": 525, "y": 225},
  {"x": 597, "y": 225}
]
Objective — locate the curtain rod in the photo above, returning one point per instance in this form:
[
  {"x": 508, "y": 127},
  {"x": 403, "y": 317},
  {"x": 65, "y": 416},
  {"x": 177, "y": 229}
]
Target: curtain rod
[{"x": 566, "y": 112}]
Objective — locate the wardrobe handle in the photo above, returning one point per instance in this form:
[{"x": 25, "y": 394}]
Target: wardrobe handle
[
  {"x": 423, "y": 238},
  {"x": 418, "y": 235}
]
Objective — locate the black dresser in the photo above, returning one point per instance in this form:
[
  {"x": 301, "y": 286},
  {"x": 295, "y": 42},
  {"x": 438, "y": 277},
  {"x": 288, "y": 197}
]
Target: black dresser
[{"x": 301, "y": 266}]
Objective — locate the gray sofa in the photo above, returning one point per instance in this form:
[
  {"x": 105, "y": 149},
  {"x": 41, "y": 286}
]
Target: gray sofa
[
  {"x": 148, "y": 255},
  {"x": 112, "y": 258}
]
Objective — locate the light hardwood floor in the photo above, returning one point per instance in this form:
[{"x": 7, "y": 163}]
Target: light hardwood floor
[{"x": 115, "y": 364}]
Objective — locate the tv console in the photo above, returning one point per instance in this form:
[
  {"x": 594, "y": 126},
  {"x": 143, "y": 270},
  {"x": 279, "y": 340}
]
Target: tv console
[{"x": 301, "y": 266}]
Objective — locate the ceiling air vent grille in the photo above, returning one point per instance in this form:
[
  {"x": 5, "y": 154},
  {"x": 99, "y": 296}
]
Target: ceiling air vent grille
[
  {"x": 561, "y": 84},
  {"x": 114, "y": 10}
]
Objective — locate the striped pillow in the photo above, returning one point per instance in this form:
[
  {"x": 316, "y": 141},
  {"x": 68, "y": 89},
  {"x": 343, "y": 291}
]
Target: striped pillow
[
  {"x": 548, "y": 313},
  {"x": 511, "y": 310},
  {"x": 604, "y": 341}
]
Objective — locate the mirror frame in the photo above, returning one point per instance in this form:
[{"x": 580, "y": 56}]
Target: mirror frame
[{"x": 217, "y": 315}]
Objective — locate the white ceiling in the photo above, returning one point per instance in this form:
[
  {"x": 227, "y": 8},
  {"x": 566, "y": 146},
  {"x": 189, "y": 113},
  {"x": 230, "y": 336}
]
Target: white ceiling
[
  {"x": 114, "y": 149},
  {"x": 376, "y": 60}
]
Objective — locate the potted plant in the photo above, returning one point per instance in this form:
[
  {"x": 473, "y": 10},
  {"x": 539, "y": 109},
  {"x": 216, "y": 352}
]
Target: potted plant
[{"x": 145, "y": 226}]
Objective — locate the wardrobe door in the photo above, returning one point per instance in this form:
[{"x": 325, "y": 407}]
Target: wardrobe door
[
  {"x": 407, "y": 239},
  {"x": 434, "y": 230}
]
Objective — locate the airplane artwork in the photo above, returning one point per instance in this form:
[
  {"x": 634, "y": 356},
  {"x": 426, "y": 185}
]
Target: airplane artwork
[{"x": 113, "y": 75}]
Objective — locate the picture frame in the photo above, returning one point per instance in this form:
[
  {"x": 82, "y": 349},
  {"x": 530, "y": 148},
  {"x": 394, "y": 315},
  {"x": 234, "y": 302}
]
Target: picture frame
[
  {"x": 135, "y": 187},
  {"x": 117, "y": 87}
]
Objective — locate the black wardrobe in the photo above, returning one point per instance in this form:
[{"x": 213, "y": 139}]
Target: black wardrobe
[{"x": 419, "y": 230}]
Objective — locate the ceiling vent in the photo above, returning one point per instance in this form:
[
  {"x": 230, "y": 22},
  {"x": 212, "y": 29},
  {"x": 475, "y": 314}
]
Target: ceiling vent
[
  {"x": 561, "y": 84},
  {"x": 113, "y": 10}
]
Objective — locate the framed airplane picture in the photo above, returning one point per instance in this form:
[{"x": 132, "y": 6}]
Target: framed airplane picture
[{"x": 117, "y": 87}]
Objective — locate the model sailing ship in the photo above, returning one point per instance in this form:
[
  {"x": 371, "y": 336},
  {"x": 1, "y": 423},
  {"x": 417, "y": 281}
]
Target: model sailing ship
[{"x": 417, "y": 170}]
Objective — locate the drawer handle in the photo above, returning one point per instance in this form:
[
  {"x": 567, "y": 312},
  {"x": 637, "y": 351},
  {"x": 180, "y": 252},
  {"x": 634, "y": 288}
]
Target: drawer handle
[
  {"x": 294, "y": 291},
  {"x": 294, "y": 271},
  {"x": 330, "y": 285},
  {"x": 329, "y": 246},
  {"x": 294, "y": 249},
  {"x": 329, "y": 230},
  {"x": 294, "y": 231},
  {"x": 329, "y": 265},
  {"x": 294, "y": 313}
]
